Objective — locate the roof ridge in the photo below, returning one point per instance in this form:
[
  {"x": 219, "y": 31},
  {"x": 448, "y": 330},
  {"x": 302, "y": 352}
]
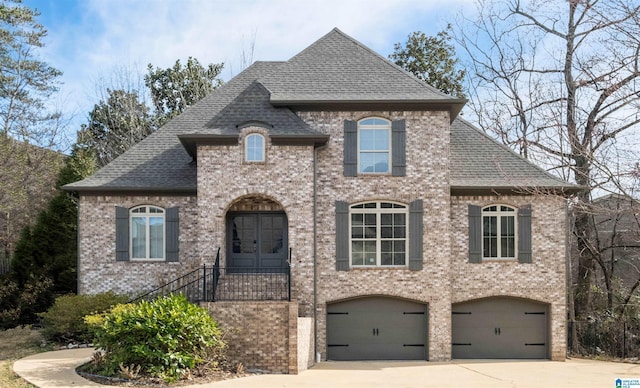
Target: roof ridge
[{"x": 394, "y": 66}]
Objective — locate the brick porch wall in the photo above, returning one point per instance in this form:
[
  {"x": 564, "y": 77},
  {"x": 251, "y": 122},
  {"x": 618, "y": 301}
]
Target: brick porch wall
[{"x": 261, "y": 335}]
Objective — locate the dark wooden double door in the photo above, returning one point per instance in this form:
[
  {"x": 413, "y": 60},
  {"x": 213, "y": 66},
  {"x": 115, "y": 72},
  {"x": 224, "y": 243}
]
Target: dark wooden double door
[{"x": 257, "y": 242}]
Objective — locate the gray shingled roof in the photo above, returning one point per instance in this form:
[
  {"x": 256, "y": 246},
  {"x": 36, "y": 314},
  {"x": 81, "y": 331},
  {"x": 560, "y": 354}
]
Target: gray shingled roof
[
  {"x": 334, "y": 69},
  {"x": 253, "y": 105},
  {"x": 160, "y": 162},
  {"x": 338, "y": 68},
  {"x": 480, "y": 163}
]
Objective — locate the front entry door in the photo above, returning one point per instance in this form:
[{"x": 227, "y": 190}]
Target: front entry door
[{"x": 257, "y": 241}]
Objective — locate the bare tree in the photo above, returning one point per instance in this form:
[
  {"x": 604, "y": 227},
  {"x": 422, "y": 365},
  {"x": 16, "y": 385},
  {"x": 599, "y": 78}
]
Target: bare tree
[
  {"x": 115, "y": 124},
  {"x": 558, "y": 82},
  {"x": 28, "y": 124},
  {"x": 120, "y": 118}
]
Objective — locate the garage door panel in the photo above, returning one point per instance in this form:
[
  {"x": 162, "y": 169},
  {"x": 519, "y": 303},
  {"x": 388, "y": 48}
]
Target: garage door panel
[
  {"x": 499, "y": 328},
  {"x": 377, "y": 328}
]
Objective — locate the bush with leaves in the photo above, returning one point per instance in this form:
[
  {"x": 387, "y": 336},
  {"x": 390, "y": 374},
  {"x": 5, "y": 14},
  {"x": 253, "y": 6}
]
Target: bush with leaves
[
  {"x": 166, "y": 338},
  {"x": 19, "y": 305},
  {"x": 64, "y": 321}
]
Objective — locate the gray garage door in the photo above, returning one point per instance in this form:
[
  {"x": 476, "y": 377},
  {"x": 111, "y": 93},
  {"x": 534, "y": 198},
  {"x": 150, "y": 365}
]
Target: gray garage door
[
  {"x": 499, "y": 328},
  {"x": 377, "y": 328}
]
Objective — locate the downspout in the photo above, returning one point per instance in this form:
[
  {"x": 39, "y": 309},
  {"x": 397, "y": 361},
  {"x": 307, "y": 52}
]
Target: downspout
[
  {"x": 570, "y": 308},
  {"x": 315, "y": 249}
]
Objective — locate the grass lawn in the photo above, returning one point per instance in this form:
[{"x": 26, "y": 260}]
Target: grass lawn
[{"x": 15, "y": 344}]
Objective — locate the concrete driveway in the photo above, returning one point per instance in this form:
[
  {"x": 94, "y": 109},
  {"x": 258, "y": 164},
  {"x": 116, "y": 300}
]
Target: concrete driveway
[
  {"x": 56, "y": 369},
  {"x": 489, "y": 374}
]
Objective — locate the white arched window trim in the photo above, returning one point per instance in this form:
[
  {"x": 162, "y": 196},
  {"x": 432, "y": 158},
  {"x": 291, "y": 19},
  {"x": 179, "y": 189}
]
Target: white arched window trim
[
  {"x": 499, "y": 232},
  {"x": 254, "y": 148},
  {"x": 374, "y": 146},
  {"x": 378, "y": 234},
  {"x": 147, "y": 233}
]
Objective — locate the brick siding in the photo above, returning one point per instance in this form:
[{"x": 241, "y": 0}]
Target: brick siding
[
  {"x": 261, "y": 335},
  {"x": 98, "y": 270},
  {"x": 543, "y": 280},
  {"x": 285, "y": 182}
]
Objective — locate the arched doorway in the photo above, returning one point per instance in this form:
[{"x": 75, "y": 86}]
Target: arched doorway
[{"x": 257, "y": 236}]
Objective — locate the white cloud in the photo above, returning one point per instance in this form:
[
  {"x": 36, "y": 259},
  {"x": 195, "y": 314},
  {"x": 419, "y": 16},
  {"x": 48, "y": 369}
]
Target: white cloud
[{"x": 93, "y": 37}]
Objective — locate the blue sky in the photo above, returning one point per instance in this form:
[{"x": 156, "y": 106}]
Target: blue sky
[{"x": 91, "y": 41}]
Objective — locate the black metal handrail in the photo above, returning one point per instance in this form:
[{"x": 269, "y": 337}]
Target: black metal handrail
[
  {"x": 235, "y": 284},
  {"x": 217, "y": 283}
]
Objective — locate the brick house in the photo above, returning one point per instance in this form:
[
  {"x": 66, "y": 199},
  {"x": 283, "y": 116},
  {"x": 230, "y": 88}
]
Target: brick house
[{"x": 402, "y": 231}]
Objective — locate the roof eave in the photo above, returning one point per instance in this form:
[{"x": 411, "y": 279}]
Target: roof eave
[
  {"x": 127, "y": 190},
  {"x": 453, "y": 106},
  {"x": 563, "y": 190},
  {"x": 190, "y": 141}
]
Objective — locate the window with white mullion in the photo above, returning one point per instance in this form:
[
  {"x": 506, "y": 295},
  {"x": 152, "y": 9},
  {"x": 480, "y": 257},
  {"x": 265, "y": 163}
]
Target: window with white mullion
[
  {"x": 255, "y": 148},
  {"x": 378, "y": 234},
  {"x": 374, "y": 146},
  {"x": 147, "y": 233},
  {"x": 499, "y": 232}
]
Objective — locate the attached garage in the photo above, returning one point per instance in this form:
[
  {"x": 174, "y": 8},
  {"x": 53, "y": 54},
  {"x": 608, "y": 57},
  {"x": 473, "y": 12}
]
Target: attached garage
[
  {"x": 500, "y": 328},
  {"x": 377, "y": 328}
]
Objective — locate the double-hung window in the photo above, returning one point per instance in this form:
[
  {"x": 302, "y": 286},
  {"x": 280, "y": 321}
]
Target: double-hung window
[
  {"x": 499, "y": 232},
  {"x": 374, "y": 146},
  {"x": 378, "y": 234},
  {"x": 147, "y": 233}
]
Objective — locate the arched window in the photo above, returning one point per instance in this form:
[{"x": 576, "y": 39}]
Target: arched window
[
  {"x": 374, "y": 146},
  {"x": 378, "y": 234},
  {"x": 147, "y": 240},
  {"x": 254, "y": 148},
  {"x": 499, "y": 232}
]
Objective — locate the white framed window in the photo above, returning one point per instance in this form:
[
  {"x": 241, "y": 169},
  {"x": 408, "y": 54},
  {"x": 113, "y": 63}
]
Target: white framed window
[
  {"x": 254, "y": 148},
  {"x": 499, "y": 232},
  {"x": 378, "y": 234},
  {"x": 147, "y": 233},
  {"x": 374, "y": 146}
]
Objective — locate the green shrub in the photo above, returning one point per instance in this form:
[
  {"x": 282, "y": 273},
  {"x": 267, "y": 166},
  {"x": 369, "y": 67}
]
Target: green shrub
[
  {"x": 166, "y": 338},
  {"x": 64, "y": 321},
  {"x": 19, "y": 305}
]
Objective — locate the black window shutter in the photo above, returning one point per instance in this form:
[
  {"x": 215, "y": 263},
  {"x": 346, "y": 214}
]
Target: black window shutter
[
  {"x": 416, "y": 212},
  {"x": 122, "y": 234},
  {"x": 475, "y": 234},
  {"x": 342, "y": 236},
  {"x": 524, "y": 234},
  {"x": 172, "y": 233},
  {"x": 398, "y": 148},
  {"x": 350, "y": 148}
]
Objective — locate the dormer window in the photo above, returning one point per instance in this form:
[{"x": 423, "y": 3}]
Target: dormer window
[{"x": 254, "y": 148}]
